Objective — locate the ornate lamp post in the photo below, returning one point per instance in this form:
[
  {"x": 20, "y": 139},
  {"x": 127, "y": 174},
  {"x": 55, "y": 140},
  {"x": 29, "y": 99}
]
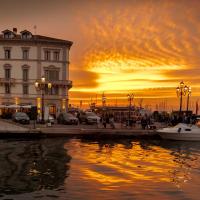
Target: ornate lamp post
[
  {"x": 189, "y": 92},
  {"x": 40, "y": 85},
  {"x": 181, "y": 91},
  {"x": 130, "y": 99}
]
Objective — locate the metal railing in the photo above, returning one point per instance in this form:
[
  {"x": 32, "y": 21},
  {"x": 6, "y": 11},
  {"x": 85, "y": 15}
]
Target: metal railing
[{"x": 10, "y": 81}]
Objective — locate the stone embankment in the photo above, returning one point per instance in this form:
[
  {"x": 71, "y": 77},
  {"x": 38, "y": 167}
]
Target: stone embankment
[{"x": 11, "y": 130}]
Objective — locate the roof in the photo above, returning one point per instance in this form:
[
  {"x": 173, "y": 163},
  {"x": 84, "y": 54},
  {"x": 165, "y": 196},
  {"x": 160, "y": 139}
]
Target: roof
[
  {"x": 5, "y": 31},
  {"x": 25, "y": 31},
  {"x": 35, "y": 38}
]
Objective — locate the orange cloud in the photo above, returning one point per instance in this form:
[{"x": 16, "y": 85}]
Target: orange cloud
[{"x": 145, "y": 47}]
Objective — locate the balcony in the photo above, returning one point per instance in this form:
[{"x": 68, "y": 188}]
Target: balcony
[
  {"x": 62, "y": 83},
  {"x": 4, "y": 81}
]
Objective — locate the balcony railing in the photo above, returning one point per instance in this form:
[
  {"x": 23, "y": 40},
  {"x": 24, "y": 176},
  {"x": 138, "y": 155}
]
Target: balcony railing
[
  {"x": 4, "y": 81},
  {"x": 62, "y": 83}
]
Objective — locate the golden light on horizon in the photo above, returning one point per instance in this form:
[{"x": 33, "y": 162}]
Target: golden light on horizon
[
  {"x": 127, "y": 74},
  {"x": 131, "y": 49}
]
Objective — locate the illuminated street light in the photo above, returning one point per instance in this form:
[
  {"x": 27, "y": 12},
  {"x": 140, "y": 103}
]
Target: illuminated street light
[
  {"x": 41, "y": 85},
  {"x": 189, "y": 92},
  {"x": 181, "y": 91}
]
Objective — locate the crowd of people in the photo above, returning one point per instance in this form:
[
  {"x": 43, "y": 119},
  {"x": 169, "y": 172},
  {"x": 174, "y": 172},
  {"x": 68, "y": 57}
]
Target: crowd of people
[{"x": 145, "y": 121}]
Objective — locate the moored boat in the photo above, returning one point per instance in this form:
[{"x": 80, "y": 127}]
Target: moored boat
[{"x": 181, "y": 131}]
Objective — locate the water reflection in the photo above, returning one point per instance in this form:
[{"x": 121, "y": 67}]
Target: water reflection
[
  {"x": 27, "y": 166},
  {"x": 112, "y": 164},
  {"x": 186, "y": 155},
  {"x": 83, "y": 169}
]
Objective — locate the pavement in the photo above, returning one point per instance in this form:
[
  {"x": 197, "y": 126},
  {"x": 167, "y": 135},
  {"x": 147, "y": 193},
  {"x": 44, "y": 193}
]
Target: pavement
[
  {"x": 12, "y": 129},
  {"x": 8, "y": 127}
]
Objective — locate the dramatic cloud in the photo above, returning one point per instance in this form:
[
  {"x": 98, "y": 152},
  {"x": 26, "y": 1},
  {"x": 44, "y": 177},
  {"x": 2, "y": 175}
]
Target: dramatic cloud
[
  {"x": 152, "y": 40},
  {"x": 120, "y": 46}
]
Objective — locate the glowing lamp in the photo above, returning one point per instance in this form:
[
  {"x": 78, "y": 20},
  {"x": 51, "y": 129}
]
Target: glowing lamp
[
  {"x": 36, "y": 84},
  {"x": 43, "y": 79},
  {"x": 49, "y": 85}
]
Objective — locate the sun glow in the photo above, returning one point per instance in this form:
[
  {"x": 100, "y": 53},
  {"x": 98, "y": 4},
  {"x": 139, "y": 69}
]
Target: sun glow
[
  {"x": 144, "y": 54},
  {"x": 127, "y": 74}
]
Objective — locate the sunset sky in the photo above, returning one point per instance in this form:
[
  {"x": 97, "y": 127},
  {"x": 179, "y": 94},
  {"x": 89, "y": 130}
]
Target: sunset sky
[{"x": 145, "y": 47}]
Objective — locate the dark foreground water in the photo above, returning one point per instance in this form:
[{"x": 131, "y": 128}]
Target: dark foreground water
[{"x": 120, "y": 169}]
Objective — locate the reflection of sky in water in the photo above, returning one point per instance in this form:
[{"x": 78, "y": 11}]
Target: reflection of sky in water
[
  {"x": 123, "y": 169},
  {"x": 135, "y": 168}
]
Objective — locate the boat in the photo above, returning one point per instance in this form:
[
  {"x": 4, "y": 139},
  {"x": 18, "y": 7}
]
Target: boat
[{"x": 181, "y": 131}]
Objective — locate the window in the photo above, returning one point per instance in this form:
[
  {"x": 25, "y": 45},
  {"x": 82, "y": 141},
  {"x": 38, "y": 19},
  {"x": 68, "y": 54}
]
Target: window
[
  {"x": 25, "y": 74},
  {"x": 7, "y": 73},
  {"x": 7, "y": 54},
  {"x": 8, "y": 35},
  {"x": 26, "y": 35},
  {"x": 25, "y": 54},
  {"x": 53, "y": 91},
  {"x": 56, "y": 55},
  {"x": 52, "y": 75},
  {"x": 25, "y": 89},
  {"x": 7, "y": 88},
  {"x": 47, "y": 55}
]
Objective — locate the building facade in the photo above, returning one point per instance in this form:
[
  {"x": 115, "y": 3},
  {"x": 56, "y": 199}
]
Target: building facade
[{"x": 24, "y": 59}]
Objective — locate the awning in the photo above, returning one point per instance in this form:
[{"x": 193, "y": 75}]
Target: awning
[{"x": 13, "y": 106}]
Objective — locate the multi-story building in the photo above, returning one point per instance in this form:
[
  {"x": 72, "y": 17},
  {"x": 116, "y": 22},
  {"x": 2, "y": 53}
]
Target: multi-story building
[{"x": 24, "y": 59}]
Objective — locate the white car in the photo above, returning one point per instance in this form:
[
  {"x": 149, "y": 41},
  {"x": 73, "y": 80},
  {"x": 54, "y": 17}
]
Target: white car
[
  {"x": 92, "y": 118},
  {"x": 50, "y": 119}
]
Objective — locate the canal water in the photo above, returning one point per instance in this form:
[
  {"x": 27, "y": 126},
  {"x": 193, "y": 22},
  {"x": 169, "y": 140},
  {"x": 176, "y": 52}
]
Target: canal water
[{"x": 99, "y": 170}]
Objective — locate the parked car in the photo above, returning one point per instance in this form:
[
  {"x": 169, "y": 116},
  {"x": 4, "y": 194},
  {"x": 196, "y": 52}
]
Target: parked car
[
  {"x": 21, "y": 117},
  {"x": 50, "y": 119},
  {"x": 89, "y": 118},
  {"x": 67, "y": 118}
]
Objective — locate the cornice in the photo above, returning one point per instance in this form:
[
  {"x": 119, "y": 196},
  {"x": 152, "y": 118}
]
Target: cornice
[
  {"x": 32, "y": 60},
  {"x": 35, "y": 42}
]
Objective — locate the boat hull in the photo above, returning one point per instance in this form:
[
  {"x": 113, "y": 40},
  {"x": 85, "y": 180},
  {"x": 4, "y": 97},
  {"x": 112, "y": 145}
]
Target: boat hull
[{"x": 180, "y": 136}]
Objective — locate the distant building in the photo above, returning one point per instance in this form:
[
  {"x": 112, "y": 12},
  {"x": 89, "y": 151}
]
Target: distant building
[{"x": 25, "y": 58}]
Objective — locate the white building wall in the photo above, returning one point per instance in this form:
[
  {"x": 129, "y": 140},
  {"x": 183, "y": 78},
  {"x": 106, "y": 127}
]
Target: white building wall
[
  {"x": 16, "y": 51},
  {"x": 36, "y": 62}
]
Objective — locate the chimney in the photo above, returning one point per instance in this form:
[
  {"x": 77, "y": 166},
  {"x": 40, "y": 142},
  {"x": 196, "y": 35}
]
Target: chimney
[{"x": 15, "y": 31}]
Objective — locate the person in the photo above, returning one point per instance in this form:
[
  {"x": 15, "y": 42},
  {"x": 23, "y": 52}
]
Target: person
[
  {"x": 104, "y": 120},
  {"x": 143, "y": 122},
  {"x": 111, "y": 121},
  {"x": 78, "y": 116},
  {"x": 107, "y": 118}
]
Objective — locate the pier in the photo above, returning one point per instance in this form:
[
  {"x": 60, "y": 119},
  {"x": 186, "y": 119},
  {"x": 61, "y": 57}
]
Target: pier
[{"x": 13, "y": 130}]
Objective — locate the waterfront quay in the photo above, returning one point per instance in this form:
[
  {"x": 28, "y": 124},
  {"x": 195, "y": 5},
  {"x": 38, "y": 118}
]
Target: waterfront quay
[{"x": 9, "y": 129}]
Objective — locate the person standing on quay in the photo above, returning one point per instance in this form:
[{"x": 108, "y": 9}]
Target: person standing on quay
[
  {"x": 104, "y": 120},
  {"x": 111, "y": 121}
]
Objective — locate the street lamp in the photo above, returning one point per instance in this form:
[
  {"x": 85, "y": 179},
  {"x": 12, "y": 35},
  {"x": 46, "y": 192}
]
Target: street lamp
[
  {"x": 40, "y": 85},
  {"x": 181, "y": 91},
  {"x": 189, "y": 92},
  {"x": 130, "y": 99}
]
